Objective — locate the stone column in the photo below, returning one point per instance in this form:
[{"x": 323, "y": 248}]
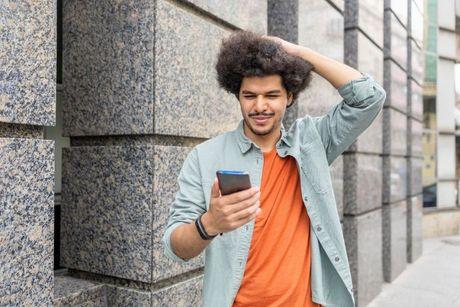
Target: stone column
[
  {"x": 27, "y": 104},
  {"x": 415, "y": 79},
  {"x": 139, "y": 91},
  {"x": 394, "y": 140},
  {"x": 362, "y": 161}
]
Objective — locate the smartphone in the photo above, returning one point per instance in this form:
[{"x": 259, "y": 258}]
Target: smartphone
[{"x": 232, "y": 181}]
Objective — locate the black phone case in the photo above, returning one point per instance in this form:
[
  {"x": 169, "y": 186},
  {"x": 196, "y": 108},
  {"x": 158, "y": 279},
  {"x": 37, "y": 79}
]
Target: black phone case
[{"x": 231, "y": 183}]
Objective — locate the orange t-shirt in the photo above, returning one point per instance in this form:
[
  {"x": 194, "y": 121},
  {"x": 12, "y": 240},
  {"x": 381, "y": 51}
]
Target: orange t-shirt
[{"x": 277, "y": 272}]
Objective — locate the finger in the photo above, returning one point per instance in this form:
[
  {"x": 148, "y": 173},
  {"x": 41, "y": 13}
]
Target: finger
[
  {"x": 215, "y": 191},
  {"x": 239, "y": 196},
  {"x": 246, "y": 212},
  {"x": 244, "y": 204},
  {"x": 246, "y": 219}
]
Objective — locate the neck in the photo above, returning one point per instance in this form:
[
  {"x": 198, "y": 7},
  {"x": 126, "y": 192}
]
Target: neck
[{"x": 265, "y": 142}]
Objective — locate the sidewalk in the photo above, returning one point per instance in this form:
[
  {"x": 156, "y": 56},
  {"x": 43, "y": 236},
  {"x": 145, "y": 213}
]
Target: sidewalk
[{"x": 432, "y": 280}]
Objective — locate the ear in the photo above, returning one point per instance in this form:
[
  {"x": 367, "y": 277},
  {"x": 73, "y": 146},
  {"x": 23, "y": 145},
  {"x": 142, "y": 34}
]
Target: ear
[{"x": 290, "y": 98}]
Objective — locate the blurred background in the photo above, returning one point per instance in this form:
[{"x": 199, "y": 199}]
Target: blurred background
[{"x": 101, "y": 101}]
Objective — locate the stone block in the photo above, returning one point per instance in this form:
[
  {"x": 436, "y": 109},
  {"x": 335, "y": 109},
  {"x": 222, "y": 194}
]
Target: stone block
[
  {"x": 416, "y": 62},
  {"x": 394, "y": 132},
  {"x": 414, "y": 165},
  {"x": 395, "y": 39},
  {"x": 362, "y": 185},
  {"x": 394, "y": 179},
  {"x": 416, "y": 101},
  {"x": 28, "y": 62},
  {"x": 367, "y": 16},
  {"x": 395, "y": 83},
  {"x": 414, "y": 227},
  {"x": 394, "y": 220},
  {"x": 26, "y": 221},
  {"x": 363, "y": 238},
  {"x": 399, "y": 8},
  {"x": 124, "y": 296},
  {"x": 71, "y": 291},
  {"x": 185, "y": 293},
  {"x": 414, "y": 143},
  {"x": 416, "y": 16}
]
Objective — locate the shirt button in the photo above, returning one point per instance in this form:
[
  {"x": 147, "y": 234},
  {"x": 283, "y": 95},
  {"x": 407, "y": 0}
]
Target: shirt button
[
  {"x": 247, "y": 227},
  {"x": 319, "y": 229},
  {"x": 285, "y": 152},
  {"x": 305, "y": 198},
  {"x": 337, "y": 258}
]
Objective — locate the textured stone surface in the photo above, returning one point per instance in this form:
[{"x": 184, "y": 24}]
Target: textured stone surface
[
  {"x": 368, "y": 16},
  {"x": 394, "y": 132},
  {"x": 28, "y": 62},
  {"x": 363, "y": 238},
  {"x": 394, "y": 179},
  {"x": 108, "y": 67},
  {"x": 395, "y": 84},
  {"x": 186, "y": 293},
  {"x": 122, "y": 296},
  {"x": 8, "y": 130},
  {"x": 242, "y": 14},
  {"x": 362, "y": 183},
  {"x": 414, "y": 227},
  {"x": 185, "y": 84},
  {"x": 416, "y": 62},
  {"x": 415, "y": 166},
  {"x": 394, "y": 219},
  {"x": 168, "y": 162},
  {"x": 395, "y": 39},
  {"x": 416, "y": 23},
  {"x": 26, "y": 221},
  {"x": 71, "y": 291},
  {"x": 416, "y": 132},
  {"x": 399, "y": 8},
  {"x": 416, "y": 101},
  {"x": 107, "y": 210}
]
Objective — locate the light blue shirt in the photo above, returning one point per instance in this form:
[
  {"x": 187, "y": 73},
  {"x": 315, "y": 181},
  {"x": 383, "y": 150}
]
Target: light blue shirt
[{"x": 314, "y": 142}]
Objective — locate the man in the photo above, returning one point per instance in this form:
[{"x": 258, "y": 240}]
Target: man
[{"x": 279, "y": 243}]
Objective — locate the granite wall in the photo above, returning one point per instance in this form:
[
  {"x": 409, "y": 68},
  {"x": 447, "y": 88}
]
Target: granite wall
[{"x": 27, "y": 104}]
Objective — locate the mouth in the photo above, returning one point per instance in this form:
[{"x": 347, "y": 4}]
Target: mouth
[{"x": 261, "y": 120}]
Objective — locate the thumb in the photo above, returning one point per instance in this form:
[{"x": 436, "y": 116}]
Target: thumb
[{"x": 215, "y": 191}]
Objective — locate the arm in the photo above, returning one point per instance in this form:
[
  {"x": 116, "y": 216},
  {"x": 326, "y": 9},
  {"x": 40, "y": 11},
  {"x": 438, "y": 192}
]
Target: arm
[{"x": 181, "y": 240}]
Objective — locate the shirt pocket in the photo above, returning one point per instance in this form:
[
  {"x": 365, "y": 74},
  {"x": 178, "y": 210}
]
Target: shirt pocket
[{"x": 314, "y": 166}]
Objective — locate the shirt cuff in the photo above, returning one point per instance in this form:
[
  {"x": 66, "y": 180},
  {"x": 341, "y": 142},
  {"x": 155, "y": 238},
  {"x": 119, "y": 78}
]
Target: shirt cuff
[{"x": 357, "y": 90}]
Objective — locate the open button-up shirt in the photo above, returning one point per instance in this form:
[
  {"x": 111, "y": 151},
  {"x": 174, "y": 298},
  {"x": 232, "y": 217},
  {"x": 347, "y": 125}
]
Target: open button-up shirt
[{"x": 314, "y": 142}]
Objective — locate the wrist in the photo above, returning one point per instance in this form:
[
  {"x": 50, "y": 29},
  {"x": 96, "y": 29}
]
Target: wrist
[{"x": 206, "y": 220}]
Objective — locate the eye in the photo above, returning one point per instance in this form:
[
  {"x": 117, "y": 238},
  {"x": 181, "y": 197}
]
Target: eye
[
  {"x": 273, "y": 96},
  {"x": 249, "y": 96}
]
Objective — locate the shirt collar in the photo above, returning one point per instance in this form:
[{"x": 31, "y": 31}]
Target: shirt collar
[{"x": 245, "y": 143}]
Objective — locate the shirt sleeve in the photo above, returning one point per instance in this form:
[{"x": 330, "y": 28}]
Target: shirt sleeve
[
  {"x": 363, "y": 99},
  {"x": 188, "y": 204}
]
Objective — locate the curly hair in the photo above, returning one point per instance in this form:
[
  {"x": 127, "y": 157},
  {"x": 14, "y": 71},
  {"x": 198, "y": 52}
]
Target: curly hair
[{"x": 245, "y": 53}]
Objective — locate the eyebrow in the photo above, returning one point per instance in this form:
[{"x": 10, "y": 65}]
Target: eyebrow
[{"x": 269, "y": 92}]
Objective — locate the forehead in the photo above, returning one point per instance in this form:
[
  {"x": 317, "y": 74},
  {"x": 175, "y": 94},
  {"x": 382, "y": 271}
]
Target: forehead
[{"x": 262, "y": 84}]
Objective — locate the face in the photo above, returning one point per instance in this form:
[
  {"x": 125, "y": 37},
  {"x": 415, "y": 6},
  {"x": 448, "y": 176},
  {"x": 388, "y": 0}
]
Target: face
[{"x": 263, "y": 102}]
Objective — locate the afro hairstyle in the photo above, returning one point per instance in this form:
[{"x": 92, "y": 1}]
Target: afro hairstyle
[{"x": 247, "y": 54}]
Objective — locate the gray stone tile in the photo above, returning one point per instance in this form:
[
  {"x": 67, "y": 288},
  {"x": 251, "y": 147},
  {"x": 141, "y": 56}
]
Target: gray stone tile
[
  {"x": 395, "y": 39},
  {"x": 362, "y": 183},
  {"x": 394, "y": 218},
  {"x": 414, "y": 227},
  {"x": 168, "y": 162},
  {"x": 108, "y": 71},
  {"x": 28, "y": 62},
  {"x": 416, "y": 24},
  {"x": 415, "y": 164},
  {"x": 399, "y": 8},
  {"x": 186, "y": 89},
  {"x": 395, "y": 84},
  {"x": 8, "y": 130},
  {"x": 394, "y": 132},
  {"x": 242, "y": 14},
  {"x": 363, "y": 238},
  {"x": 185, "y": 293},
  {"x": 416, "y": 62},
  {"x": 368, "y": 16},
  {"x": 71, "y": 291},
  {"x": 123, "y": 296},
  {"x": 107, "y": 210},
  {"x": 415, "y": 148},
  {"x": 416, "y": 101},
  {"x": 26, "y": 221},
  {"x": 340, "y": 4},
  {"x": 394, "y": 179}
]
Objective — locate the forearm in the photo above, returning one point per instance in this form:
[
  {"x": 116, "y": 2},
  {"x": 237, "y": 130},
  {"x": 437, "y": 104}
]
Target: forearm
[
  {"x": 187, "y": 242},
  {"x": 335, "y": 72}
]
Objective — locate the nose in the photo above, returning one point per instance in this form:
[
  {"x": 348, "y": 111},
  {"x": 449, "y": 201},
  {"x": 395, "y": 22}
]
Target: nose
[{"x": 260, "y": 104}]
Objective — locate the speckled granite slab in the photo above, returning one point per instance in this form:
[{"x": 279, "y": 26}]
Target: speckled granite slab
[
  {"x": 394, "y": 221},
  {"x": 394, "y": 132},
  {"x": 71, "y": 291},
  {"x": 28, "y": 62},
  {"x": 248, "y": 15},
  {"x": 122, "y": 296},
  {"x": 26, "y": 221},
  {"x": 395, "y": 84},
  {"x": 395, "y": 39},
  {"x": 116, "y": 202},
  {"x": 108, "y": 54},
  {"x": 366, "y": 15},
  {"x": 363, "y": 238},
  {"x": 362, "y": 185},
  {"x": 186, "y": 89},
  {"x": 186, "y": 293},
  {"x": 394, "y": 179},
  {"x": 414, "y": 227}
]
